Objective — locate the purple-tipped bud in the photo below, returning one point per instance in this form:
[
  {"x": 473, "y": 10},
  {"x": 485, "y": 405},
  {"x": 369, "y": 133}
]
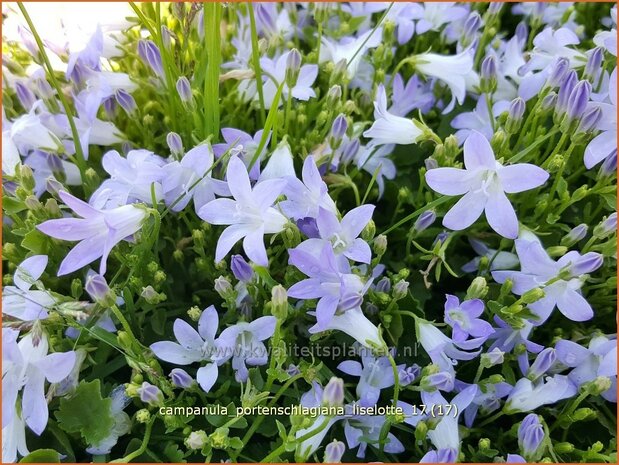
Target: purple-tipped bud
[
  {"x": 110, "y": 106},
  {"x": 400, "y": 289},
  {"x": 266, "y": 21},
  {"x": 471, "y": 26},
  {"x": 166, "y": 37},
  {"x": 606, "y": 227},
  {"x": 409, "y": 374},
  {"x": 558, "y": 73},
  {"x": 293, "y": 370},
  {"x": 126, "y": 101},
  {"x": 175, "y": 143},
  {"x": 334, "y": 95},
  {"x": 241, "y": 269},
  {"x": 338, "y": 129},
  {"x": 293, "y": 66},
  {"x": 587, "y": 263},
  {"x": 180, "y": 378},
  {"x": 183, "y": 87},
  {"x": 492, "y": 358},
  {"x": 579, "y": 97},
  {"x": 516, "y": 109},
  {"x": 530, "y": 436},
  {"x": 53, "y": 186},
  {"x": 25, "y": 96},
  {"x": 488, "y": 68},
  {"x": 425, "y": 220},
  {"x": 522, "y": 33},
  {"x": 430, "y": 163},
  {"x": 383, "y": 285},
  {"x": 334, "y": 452},
  {"x": 609, "y": 166},
  {"x": 544, "y": 361},
  {"x": 43, "y": 88},
  {"x": 98, "y": 289},
  {"x": 549, "y": 101},
  {"x": 55, "y": 165},
  {"x": 353, "y": 300},
  {"x": 440, "y": 238},
  {"x": 350, "y": 150},
  {"x": 589, "y": 121},
  {"x": 200, "y": 23},
  {"x": 150, "y": 54},
  {"x": 150, "y": 393},
  {"x": 564, "y": 92},
  {"x": 594, "y": 63},
  {"x": 576, "y": 234},
  {"x": 333, "y": 394},
  {"x": 223, "y": 287}
]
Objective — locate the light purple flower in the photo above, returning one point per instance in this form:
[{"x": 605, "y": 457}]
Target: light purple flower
[
  {"x": 463, "y": 318},
  {"x": 97, "y": 230},
  {"x": 561, "y": 280},
  {"x": 132, "y": 179},
  {"x": 432, "y": 16},
  {"x": 150, "y": 393},
  {"x": 406, "y": 98},
  {"x": 25, "y": 366},
  {"x": 599, "y": 359},
  {"x": 374, "y": 374},
  {"x": 194, "y": 346},
  {"x": 243, "y": 342},
  {"x": 374, "y": 160},
  {"x": 388, "y": 128},
  {"x": 477, "y": 120},
  {"x": 250, "y": 215},
  {"x": 276, "y": 72},
  {"x": 306, "y": 199},
  {"x": 21, "y": 301},
  {"x": 336, "y": 290},
  {"x": 243, "y": 145},
  {"x": 528, "y": 396},
  {"x": 191, "y": 179},
  {"x": 350, "y": 49},
  {"x": 605, "y": 143},
  {"x": 484, "y": 181},
  {"x": 486, "y": 401}
]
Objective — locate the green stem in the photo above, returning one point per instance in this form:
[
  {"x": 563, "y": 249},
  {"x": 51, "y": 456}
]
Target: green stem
[
  {"x": 416, "y": 213},
  {"x": 80, "y": 160},
  {"x": 255, "y": 56},
  {"x": 212, "y": 19}
]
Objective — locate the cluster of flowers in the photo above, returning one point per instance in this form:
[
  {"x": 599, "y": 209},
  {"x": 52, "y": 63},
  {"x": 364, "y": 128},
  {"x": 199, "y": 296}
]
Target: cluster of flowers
[{"x": 266, "y": 224}]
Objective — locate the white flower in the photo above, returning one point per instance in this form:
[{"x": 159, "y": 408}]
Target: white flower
[{"x": 351, "y": 50}]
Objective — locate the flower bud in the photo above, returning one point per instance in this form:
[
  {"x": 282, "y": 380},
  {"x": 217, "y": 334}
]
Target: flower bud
[
  {"x": 142, "y": 416},
  {"x": 334, "y": 452},
  {"x": 587, "y": 263},
  {"x": 175, "y": 144},
  {"x": 421, "y": 431},
  {"x": 241, "y": 269},
  {"x": 126, "y": 101},
  {"x": 368, "y": 232},
  {"x": 425, "y": 220},
  {"x": 532, "y": 295},
  {"x": 589, "y": 121},
  {"x": 522, "y": 33},
  {"x": 338, "y": 131},
  {"x": 279, "y": 302},
  {"x": 530, "y": 436},
  {"x": 594, "y": 63},
  {"x": 409, "y": 374},
  {"x": 564, "y": 92},
  {"x": 488, "y": 74},
  {"x": 224, "y": 288},
  {"x": 470, "y": 28},
  {"x": 606, "y": 227},
  {"x": 584, "y": 413},
  {"x": 430, "y": 163},
  {"x": 194, "y": 313},
  {"x": 549, "y": 101},
  {"x": 609, "y": 166},
  {"x": 478, "y": 288},
  {"x": 575, "y": 235},
  {"x": 25, "y": 96},
  {"x": 166, "y": 37},
  {"x": 577, "y": 103},
  {"x": 180, "y": 378},
  {"x": 443, "y": 381},
  {"x": 339, "y": 73},
  {"x": 515, "y": 114},
  {"x": 383, "y": 285},
  {"x": 558, "y": 72},
  {"x": 400, "y": 289},
  {"x": 333, "y": 96},
  {"x": 380, "y": 244},
  {"x": 183, "y": 87},
  {"x": 27, "y": 178},
  {"x": 98, "y": 289},
  {"x": 150, "y": 393},
  {"x": 196, "y": 440},
  {"x": 150, "y": 55},
  {"x": 333, "y": 393},
  {"x": 492, "y": 358},
  {"x": 152, "y": 296},
  {"x": 293, "y": 66},
  {"x": 543, "y": 362}
]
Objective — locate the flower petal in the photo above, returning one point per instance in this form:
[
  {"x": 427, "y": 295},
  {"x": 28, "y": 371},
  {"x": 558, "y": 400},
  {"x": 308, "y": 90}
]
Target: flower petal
[
  {"x": 478, "y": 152},
  {"x": 501, "y": 215},
  {"x": 521, "y": 177},
  {"x": 466, "y": 211},
  {"x": 207, "y": 376},
  {"x": 448, "y": 181}
]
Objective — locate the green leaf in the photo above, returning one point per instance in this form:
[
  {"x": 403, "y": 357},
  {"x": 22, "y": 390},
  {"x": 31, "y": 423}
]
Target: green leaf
[
  {"x": 87, "y": 413},
  {"x": 42, "y": 456},
  {"x": 268, "y": 125},
  {"x": 36, "y": 242},
  {"x": 11, "y": 205},
  {"x": 173, "y": 453}
]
